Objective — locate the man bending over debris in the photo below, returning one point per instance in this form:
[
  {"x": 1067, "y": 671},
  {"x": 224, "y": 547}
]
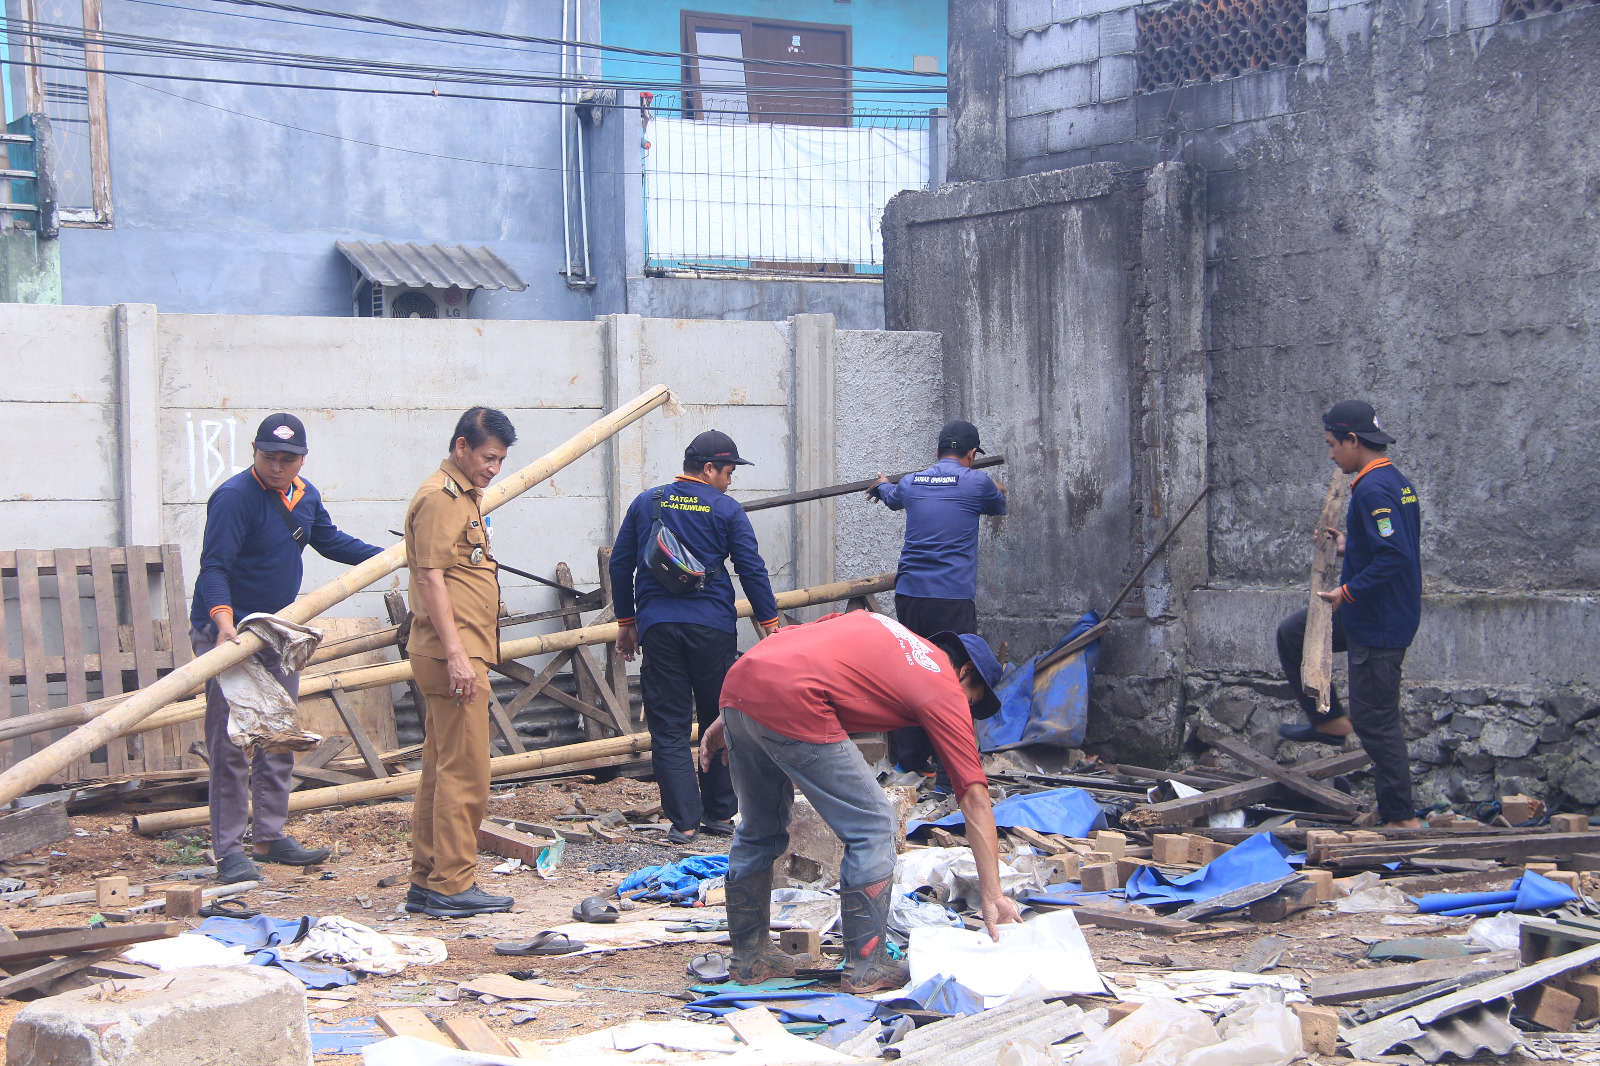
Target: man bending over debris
[
  {"x": 1377, "y": 607},
  {"x": 455, "y": 633},
  {"x": 788, "y": 707},
  {"x": 258, "y": 523}
]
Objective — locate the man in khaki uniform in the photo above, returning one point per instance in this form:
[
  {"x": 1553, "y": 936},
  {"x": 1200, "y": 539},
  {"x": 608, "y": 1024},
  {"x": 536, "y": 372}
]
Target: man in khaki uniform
[{"x": 455, "y": 607}]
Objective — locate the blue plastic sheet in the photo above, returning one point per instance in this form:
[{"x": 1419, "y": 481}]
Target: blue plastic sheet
[
  {"x": 829, "y": 1008},
  {"x": 262, "y": 935},
  {"x": 1530, "y": 892},
  {"x": 1052, "y": 708},
  {"x": 345, "y": 1037},
  {"x": 1261, "y": 858},
  {"x": 943, "y": 994},
  {"x": 1072, "y": 812},
  {"x": 674, "y": 883}
]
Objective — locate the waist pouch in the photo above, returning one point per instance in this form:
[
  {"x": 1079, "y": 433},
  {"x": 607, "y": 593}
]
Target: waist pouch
[{"x": 673, "y": 565}]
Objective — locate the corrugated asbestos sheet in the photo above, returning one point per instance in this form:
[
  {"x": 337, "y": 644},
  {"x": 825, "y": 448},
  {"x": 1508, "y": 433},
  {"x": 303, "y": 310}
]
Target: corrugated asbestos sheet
[
  {"x": 437, "y": 265},
  {"x": 1486, "y": 1027},
  {"x": 976, "y": 1040}
]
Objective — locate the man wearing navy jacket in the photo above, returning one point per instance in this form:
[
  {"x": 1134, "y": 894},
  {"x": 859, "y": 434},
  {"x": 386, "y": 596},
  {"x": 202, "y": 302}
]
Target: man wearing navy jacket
[
  {"x": 1377, "y": 608},
  {"x": 257, "y": 524},
  {"x": 689, "y": 638},
  {"x": 936, "y": 587}
]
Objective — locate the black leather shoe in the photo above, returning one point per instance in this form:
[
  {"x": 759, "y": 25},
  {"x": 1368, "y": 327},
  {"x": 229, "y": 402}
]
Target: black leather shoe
[
  {"x": 1306, "y": 734},
  {"x": 464, "y": 904},
  {"x": 231, "y": 869},
  {"x": 416, "y": 899},
  {"x": 286, "y": 851}
]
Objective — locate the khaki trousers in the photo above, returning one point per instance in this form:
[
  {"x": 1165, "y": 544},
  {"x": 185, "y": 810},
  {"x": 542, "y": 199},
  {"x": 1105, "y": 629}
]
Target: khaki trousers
[{"x": 454, "y": 792}]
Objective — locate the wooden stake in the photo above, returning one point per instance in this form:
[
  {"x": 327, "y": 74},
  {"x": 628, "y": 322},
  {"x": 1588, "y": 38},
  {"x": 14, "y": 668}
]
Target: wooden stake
[{"x": 1316, "y": 663}]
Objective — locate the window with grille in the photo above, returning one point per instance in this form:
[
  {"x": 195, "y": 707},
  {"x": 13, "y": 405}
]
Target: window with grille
[
  {"x": 1517, "y": 10},
  {"x": 66, "y": 80},
  {"x": 1209, "y": 40}
]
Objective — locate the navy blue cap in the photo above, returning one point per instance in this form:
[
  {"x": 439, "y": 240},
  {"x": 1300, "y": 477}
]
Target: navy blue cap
[
  {"x": 1358, "y": 417},
  {"x": 959, "y": 437},
  {"x": 714, "y": 446},
  {"x": 988, "y": 668},
  {"x": 281, "y": 433}
]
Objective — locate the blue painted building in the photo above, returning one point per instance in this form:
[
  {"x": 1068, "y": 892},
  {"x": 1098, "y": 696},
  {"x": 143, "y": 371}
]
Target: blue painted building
[{"x": 212, "y": 155}]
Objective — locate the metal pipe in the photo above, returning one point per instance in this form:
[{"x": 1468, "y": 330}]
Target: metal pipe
[
  {"x": 577, "y": 134},
  {"x": 566, "y": 192}
]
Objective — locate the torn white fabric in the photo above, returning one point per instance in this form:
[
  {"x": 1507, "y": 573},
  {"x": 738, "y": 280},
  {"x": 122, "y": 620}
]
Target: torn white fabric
[
  {"x": 260, "y": 712},
  {"x": 355, "y": 947}
]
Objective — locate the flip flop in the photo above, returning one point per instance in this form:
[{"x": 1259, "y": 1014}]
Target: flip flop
[
  {"x": 548, "y": 942},
  {"x": 718, "y": 829},
  {"x": 710, "y": 966},
  {"x": 228, "y": 908},
  {"x": 595, "y": 910}
]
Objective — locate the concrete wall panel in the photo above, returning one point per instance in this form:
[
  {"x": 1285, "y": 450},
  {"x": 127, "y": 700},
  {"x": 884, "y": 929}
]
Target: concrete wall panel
[
  {"x": 68, "y": 362},
  {"x": 719, "y": 362}
]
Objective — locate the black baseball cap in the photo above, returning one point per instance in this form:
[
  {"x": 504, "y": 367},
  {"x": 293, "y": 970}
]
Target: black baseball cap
[
  {"x": 282, "y": 433},
  {"x": 1358, "y": 417},
  {"x": 714, "y": 446},
  {"x": 959, "y": 437},
  {"x": 989, "y": 669}
]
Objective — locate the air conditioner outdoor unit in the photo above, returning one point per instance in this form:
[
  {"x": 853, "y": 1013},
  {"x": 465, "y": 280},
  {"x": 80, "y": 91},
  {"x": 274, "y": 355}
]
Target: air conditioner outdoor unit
[{"x": 399, "y": 301}]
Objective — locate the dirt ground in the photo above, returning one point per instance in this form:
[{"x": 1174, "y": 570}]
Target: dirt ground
[{"x": 371, "y": 842}]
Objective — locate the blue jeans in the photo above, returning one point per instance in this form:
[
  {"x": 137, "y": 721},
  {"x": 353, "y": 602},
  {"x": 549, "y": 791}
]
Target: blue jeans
[{"x": 767, "y": 767}]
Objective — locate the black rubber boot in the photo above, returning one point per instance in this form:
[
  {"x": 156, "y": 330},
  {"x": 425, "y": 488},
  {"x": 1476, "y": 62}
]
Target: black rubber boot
[
  {"x": 864, "y": 916},
  {"x": 750, "y": 931}
]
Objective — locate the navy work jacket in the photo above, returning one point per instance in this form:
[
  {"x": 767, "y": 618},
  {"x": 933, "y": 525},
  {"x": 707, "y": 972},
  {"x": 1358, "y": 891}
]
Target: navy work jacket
[
  {"x": 1382, "y": 575},
  {"x": 942, "y": 505}
]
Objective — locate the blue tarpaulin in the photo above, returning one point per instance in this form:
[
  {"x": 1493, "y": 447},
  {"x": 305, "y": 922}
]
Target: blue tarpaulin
[
  {"x": 829, "y": 1008},
  {"x": 1261, "y": 858},
  {"x": 1044, "y": 708},
  {"x": 1072, "y": 812},
  {"x": 1530, "y": 892},
  {"x": 943, "y": 994},
  {"x": 674, "y": 883},
  {"x": 262, "y": 935}
]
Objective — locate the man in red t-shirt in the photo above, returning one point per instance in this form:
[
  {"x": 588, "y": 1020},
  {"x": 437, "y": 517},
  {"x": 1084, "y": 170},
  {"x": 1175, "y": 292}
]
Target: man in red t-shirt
[{"x": 788, "y": 707}]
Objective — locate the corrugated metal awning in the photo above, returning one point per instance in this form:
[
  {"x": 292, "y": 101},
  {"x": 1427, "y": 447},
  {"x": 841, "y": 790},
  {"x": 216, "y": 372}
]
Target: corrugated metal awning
[{"x": 436, "y": 265}]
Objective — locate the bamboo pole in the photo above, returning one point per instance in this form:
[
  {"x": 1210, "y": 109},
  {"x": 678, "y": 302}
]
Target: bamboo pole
[
  {"x": 506, "y": 765},
  {"x": 1316, "y": 663},
  {"x": 43, "y": 765}
]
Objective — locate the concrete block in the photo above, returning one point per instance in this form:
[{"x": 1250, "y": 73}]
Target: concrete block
[
  {"x": 1118, "y": 34},
  {"x": 1060, "y": 45},
  {"x": 1091, "y": 127},
  {"x": 1024, "y": 15},
  {"x": 1110, "y": 841},
  {"x": 1549, "y": 1006},
  {"x": 111, "y": 892},
  {"x": 1319, "y": 1028},
  {"x": 1481, "y": 13},
  {"x": 1170, "y": 848},
  {"x": 1083, "y": 8},
  {"x": 1101, "y": 877},
  {"x": 241, "y": 1015},
  {"x": 1586, "y": 987},
  {"x": 1569, "y": 823},
  {"x": 814, "y": 851},
  {"x": 1050, "y": 90},
  {"x": 1316, "y": 42},
  {"x": 1322, "y": 881},
  {"x": 1117, "y": 77},
  {"x": 1316, "y": 7},
  {"x": 1260, "y": 96},
  {"x": 873, "y": 746}
]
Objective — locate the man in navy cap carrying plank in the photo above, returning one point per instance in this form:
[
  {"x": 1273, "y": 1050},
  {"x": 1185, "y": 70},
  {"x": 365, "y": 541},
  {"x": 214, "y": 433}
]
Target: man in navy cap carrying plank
[
  {"x": 788, "y": 707},
  {"x": 674, "y": 598},
  {"x": 257, "y": 524},
  {"x": 1376, "y": 608}
]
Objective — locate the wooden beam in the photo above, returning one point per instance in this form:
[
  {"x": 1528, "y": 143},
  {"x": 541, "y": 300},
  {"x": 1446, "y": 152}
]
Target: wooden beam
[
  {"x": 50, "y": 971},
  {"x": 33, "y": 828},
  {"x": 1316, "y": 662},
  {"x": 1507, "y": 848},
  {"x": 85, "y": 940},
  {"x": 1109, "y": 918},
  {"x": 1360, "y": 985},
  {"x": 358, "y": 732},
  {"x": 1186, "y": 811},
  {"x": 1288, "y": 777},
  {"x": 807, "y": 495}
]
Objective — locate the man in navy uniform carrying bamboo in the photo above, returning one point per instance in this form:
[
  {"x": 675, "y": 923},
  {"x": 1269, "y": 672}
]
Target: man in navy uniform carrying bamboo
[
  {"x": 688, "y": 630},
  {"x": 1377, "y": 608}
]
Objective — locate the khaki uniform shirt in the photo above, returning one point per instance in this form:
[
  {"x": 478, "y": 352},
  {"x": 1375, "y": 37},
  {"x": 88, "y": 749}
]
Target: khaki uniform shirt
[{"x": 445, "y": 531}]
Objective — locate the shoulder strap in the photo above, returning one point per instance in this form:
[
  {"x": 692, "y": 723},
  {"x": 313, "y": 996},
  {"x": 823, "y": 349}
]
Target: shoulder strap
[
  {"x": 297, "y": 532},
  {"x": 655, "y": 502}
]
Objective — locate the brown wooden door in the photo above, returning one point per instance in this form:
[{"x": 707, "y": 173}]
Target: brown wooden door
[{"x": 777, "y": 85}]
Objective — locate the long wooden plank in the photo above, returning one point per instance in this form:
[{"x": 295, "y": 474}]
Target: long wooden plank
[
  {"x": 1359, "y": 985},
  {"x": 153, "y": 750},
  {"x": 1109, "y": 918},
  {"x": 409, "y": 1021},
  {"x": 470, "y": 1034},
  {"x": 1316, "y": 663},
  {"x": 1508, "y": 847},
  {"x": 36, "y": 947},
  {"x": 50, "y": 971},
  {"x": 616, "y": 666},
  {"x": 1288, "y": 777},
  {"x": 502, "y": 722},
  {"x": 74, "y": 669},
  {"x": 358, "y": 732},
  {"x": 31, "y": 616},
  {"x": 33, "y": 828},
  {"x": 1186, "y": 811},
  {"x": 110, "y": 647},
  {"x": 583, "y": 680},
  {"x": 536, "y": 684},
  {"x": 178, "y": 633}
]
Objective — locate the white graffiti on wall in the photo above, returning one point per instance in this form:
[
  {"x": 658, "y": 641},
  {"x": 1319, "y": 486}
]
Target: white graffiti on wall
[{"x": 208, "y": 464}]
